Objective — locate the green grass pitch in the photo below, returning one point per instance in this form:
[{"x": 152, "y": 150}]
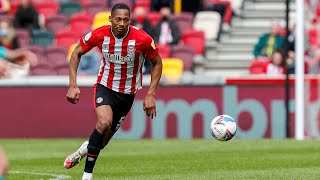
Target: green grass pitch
[{"x": 168, "y": 159}]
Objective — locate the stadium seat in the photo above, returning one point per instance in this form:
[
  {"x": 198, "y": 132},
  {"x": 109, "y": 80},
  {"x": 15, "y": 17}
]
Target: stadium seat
[
  {"x": 146, "y": 4},
  {"x": 62, "y": 69},
  {"x": 184, "y": 20},
  {"x": 195, "y": 39},
  {"x": 42, "y": 37},
  {"x": 186, "y": 54},
  {"x": 94, "y": 7},
  {"x": 66, "y": 38},
  {"x": 42, "y": 68},
  {"x": 101, "y": 19},
  {"x": 38, "y": 51},
  {"x": 172, "y": 68},
  {"x": 69, "y": 7},
  {"x": 81, "y": 23},
  {"x": 127, "y": 2},
  {"x": 164, "y": 51},
  {"x": 258, "y": 66},
  {"x": 56, "y": 22},
  {"x": 7, "y": 17},
  {"x": 47, "y": 8},
  {"x": 313, "y": 37},
  {"x": 209, "y": 22},
  {"x": 56, "y": 55},
  {"x": 23, "y": 37},
  {"x": 154, "y": 18}
]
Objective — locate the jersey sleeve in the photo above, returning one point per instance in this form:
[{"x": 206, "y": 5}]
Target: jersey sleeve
[
  {"x": 90, "y": 40},
  {"x": 151, "y": 48}
]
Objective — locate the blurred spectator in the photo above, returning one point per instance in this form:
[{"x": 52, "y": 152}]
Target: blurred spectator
[
  {"x": 89, "y": 63},
  {"x": 4, "y": 6},
  {"x": 269, "y": 42},
  {"x": 26, "y": 16},
  {"x": 142, "y": 22},
  {"x": 8, "y": 38},
  {"x": 156, "y": 5},
  {"x": 166, "y": 31},
  {"x": 15, "y": 63},
  {"x": 4, "y": 164},
  {"x": 277, "y": 64}
]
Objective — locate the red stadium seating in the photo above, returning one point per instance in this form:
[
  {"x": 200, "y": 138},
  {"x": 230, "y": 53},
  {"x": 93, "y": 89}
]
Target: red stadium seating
[
  {"x": 47, "y": 8},
  {"x": 14, "y": 7},
  {"x": 186, "y": 54},
  {"x": 56, "y": 22},
  {"x": 154, "y": 17},
  {"x": 313, "y": 37},
  {"x": 195, "y": 39},
  {"x": 38, "y": 51},
  {"x": 62, "y": 69},
  {"x": 258, "y": 66},
  {"x": 80, "y": 23},
  {"x": 184, "y": 20},
  {"x": 56, "y": 55},
  {"x": 144, "y": 4},
  {"x": 42, "y": 68},
  {"x": 23, "y": 37},
  {"x": 164, "y": 51},
  {"x": 66, "y": 38},
  {"x": 93, "y": 7}
]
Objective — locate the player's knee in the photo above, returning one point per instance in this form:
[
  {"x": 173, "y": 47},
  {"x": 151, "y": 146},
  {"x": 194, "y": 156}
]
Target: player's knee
[{"x": 104, "y": 124}]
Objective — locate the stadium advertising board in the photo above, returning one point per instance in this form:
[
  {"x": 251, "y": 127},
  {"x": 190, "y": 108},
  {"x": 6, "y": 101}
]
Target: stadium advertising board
[{"x": 183, "y": 112}]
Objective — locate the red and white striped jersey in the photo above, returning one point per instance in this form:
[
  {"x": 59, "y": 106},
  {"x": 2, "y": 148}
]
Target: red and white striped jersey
[{"x": 123, "y": 59}]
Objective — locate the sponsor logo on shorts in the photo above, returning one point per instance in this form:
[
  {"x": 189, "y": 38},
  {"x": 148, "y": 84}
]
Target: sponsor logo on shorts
[
  {"x": 90, "y": 159},
  {"x": 99, "y": 100}
]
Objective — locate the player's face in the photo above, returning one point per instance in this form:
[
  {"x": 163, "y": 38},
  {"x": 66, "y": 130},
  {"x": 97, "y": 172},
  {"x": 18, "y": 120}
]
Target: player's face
[{"x": 120, "y": 21}]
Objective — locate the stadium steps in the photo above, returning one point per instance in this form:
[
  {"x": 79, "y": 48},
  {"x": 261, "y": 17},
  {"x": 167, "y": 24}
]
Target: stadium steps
[{"x": 232, "y": 56}]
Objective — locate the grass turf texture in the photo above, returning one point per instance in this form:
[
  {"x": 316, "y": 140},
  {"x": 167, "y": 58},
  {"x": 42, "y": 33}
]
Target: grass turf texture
[{"x": 170, "y": 159}]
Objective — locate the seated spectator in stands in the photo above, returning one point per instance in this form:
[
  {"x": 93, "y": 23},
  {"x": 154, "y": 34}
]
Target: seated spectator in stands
[
  {"x": 89, "y": 63},
  {"x": 142, "y": 22},
  {"x": 15, "y": 63},
  {"x": 277, "y": 64},
  {"x": 156, "y": 5},
  {"x": 166, "y": 31},
  {"x": 8, "y": 38},
  {"x": 26, "y": 16},
  {"x": 269, "y": 42}
]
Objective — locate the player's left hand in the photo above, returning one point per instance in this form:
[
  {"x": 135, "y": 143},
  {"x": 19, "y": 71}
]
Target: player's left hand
[{"x": 149, "y": 106}]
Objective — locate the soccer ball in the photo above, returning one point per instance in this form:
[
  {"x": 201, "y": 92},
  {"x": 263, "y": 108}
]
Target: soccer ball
[{"x": 223, "y": 127}]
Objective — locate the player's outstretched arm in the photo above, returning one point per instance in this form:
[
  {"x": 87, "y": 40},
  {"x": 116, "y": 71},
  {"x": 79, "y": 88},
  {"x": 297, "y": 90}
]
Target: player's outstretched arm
[
  {"x": 73, "y": 94},
  {"x": 149, "y": 105}
]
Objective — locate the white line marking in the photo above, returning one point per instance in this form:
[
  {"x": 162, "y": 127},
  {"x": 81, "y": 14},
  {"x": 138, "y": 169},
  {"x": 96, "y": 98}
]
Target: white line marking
[{"x": 55, "y": 176}]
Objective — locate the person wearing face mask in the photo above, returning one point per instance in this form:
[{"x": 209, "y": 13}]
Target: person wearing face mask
[
  {"x": 143, "y": 23},
  {"x": 8, "y": 38},
  {"x": 166, "y": 31}
]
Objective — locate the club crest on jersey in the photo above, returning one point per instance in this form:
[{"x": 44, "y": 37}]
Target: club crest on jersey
[
  {"x": 131, "y": 49},
  {"x": 99, "y": 100},
  {"x": 86, "y": 38}
]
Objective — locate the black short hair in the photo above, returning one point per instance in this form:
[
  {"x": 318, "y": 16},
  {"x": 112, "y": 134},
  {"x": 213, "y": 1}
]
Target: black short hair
[{"x": 120, "y": 6}]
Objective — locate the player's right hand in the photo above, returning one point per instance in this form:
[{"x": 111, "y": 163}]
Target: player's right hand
[{"x": 73, "y": 95}]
